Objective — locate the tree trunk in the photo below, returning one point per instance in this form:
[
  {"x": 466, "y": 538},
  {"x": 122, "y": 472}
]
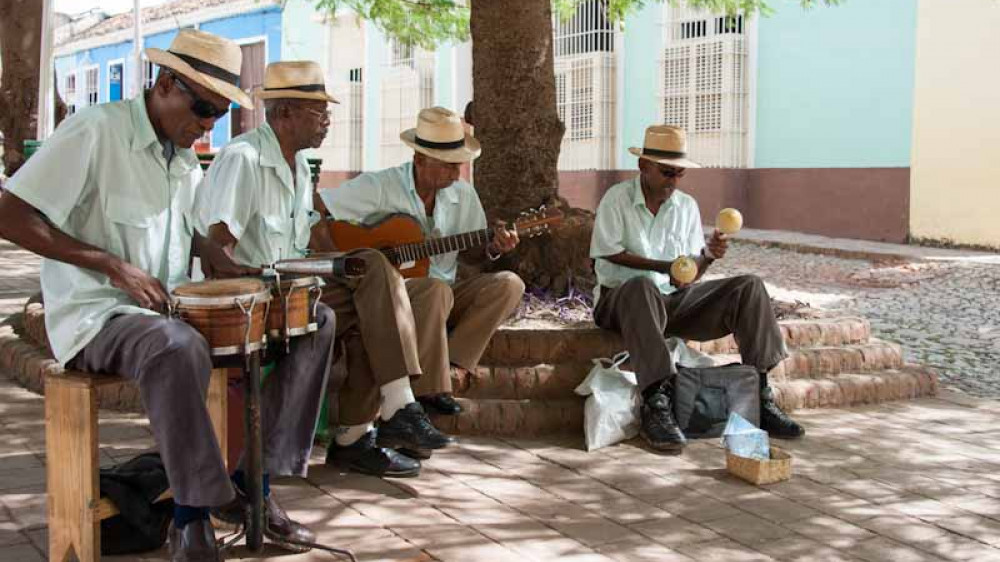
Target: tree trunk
[
  {"x": 518, "y": 125},
  {"x": 20, "y": 47}
]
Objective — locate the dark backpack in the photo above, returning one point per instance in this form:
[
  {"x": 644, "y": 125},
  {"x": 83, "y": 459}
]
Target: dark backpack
[
  {"x": 141, "y": 525},
  {"x": 705, "y": 396}
]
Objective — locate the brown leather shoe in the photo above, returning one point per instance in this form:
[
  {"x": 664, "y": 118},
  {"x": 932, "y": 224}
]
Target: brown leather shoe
[
  {"x": 195, "y": 542},
  {"x": 279, "y": 528}
]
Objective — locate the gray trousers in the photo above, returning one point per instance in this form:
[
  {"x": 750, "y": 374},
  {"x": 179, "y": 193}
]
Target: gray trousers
[
  {"x": 170, "y": 362},
  {"x": 704, "y": 311}
]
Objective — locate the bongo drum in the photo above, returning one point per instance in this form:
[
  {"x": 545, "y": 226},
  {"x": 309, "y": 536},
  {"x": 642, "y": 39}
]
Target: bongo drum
[
  {"x": 230, "y": 313},
  {"x": 293, "y": 307}
]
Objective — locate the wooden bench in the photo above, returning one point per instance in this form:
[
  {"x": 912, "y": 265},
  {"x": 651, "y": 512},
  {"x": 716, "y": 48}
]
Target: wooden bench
[{"x": 75, "y": 506}]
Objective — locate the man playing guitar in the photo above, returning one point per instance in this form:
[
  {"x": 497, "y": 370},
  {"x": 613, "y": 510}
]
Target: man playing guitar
[{"x": 455, "y": 319}]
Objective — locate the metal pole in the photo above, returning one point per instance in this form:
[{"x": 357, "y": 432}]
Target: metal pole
[
  {"x": 46, "y": 105},
  {"x": 254, "y": 453},
  {"x": 137, "y": 78}
]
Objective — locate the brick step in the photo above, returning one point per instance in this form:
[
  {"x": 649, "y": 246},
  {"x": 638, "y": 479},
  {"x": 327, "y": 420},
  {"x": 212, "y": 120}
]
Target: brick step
[
  {"x": 517, "y": 347},
  {"x": 547, "y": 382},
  {"x": 523, "y": 418}
]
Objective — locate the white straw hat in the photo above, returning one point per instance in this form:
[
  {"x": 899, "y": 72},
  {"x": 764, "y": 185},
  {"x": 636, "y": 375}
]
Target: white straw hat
[
  {"x": 211, "y": 61},
  {"x": 665, "y": 144},
  {"x": 441, "y": 134},
  {"x": 294, "y": 79}
]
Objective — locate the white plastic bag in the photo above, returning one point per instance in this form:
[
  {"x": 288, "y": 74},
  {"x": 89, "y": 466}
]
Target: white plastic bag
[{"x": 611, "y": 411}]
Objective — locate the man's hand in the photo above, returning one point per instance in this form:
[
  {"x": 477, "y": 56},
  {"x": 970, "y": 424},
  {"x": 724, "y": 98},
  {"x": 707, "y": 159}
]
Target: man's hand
[
  {"x": 216, "y": 263},
  {"x": 142, "y": 287},
  {"x": 503, "y": 240},
  {"x": 718, "y": 244}
]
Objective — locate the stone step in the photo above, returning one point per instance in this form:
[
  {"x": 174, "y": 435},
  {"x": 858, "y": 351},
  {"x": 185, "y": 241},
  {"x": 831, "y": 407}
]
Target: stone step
[
  {"x": 519, "y": 347},
  {"x": 552, "y": 382},
  {"x": 524, "y": 418}
]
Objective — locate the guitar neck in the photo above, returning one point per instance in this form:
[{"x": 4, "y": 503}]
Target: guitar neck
[{"x": 436, "y": 246}]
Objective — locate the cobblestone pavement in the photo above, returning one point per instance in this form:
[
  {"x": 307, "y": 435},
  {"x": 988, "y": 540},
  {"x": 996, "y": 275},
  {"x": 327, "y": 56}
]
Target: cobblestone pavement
[
  {"x": 944, "y": 313},
  {"x": 909, "y": 481},
  {"x": 18, "y": 278}
]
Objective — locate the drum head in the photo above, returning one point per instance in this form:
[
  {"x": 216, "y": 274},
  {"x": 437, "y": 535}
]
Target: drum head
[{"x": 221, "y": 288}]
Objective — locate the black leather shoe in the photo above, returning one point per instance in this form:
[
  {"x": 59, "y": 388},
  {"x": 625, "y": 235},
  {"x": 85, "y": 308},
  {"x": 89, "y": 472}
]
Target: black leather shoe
[
  {"x": 440, "y": 403},
  {"x": 410, "y": 432},
  {"x": 195, "y": 542},
  {"x": 366, "y": 457},
  {"x": 278, "y": 528},
  {"x": 774, "y": 421},
  {"x": 658, "y": 426}
]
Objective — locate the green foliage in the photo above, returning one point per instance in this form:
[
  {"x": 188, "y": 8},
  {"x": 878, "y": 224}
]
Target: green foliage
[{"x": 427, "y": 23}]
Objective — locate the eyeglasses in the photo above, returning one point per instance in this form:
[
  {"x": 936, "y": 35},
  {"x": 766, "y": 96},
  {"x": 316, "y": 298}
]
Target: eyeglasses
[
  {"x": 203, "y": 109},
  {"x": 670, "y": 171},
  {"x": 326, "y": 115}
]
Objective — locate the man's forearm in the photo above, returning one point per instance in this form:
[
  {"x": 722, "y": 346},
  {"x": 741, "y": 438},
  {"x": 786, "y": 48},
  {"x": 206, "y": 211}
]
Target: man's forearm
[
  {"x": 627, "y": 259},
  {"x": 23, "y": 225}
]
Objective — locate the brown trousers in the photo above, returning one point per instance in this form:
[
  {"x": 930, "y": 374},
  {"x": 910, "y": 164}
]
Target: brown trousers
[
  {"x": 704, "y": 311},
  {"x": 393, "y": 328}
]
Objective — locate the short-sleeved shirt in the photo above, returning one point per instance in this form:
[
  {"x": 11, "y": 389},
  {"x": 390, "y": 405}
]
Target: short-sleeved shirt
[
  {"x": 625, "y": 224},
  {"x": 102, "y": 178},
  {"x": 371, "y": 196},
  {"x": 249, "y": 187}
]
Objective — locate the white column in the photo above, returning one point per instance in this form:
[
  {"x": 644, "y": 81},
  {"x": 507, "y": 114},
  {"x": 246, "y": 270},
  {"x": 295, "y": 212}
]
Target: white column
[
  {"x": 46, "y": 104},
  {"x": 137, "y": 81}
]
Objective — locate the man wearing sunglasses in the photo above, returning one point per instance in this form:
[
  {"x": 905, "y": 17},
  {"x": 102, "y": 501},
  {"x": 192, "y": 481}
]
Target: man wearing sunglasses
[
  {"x": 108, "y": 201},
  {"x": 642, "y": 226}
]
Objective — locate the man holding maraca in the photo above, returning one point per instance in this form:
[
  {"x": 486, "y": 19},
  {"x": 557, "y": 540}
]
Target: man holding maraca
[{"x": 650, "y": 250}]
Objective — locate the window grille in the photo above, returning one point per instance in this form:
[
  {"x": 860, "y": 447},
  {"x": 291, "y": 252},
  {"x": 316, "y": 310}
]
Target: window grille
[
  {"x": 704, "y": 84},
  {"x": 69, "y": 92},
  {"x": 584, "y": 46},
  {"x": 148, "y": 74},
  {"x": 407, "y": 87},
  {"x": 342, "y": 149},
  {"x": 90, "y": 79}
]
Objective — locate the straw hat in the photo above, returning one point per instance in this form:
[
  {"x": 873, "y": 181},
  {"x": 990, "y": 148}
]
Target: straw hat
[
  {"x": 665, "y": 144},
  {"x": 211, "y": 61},
  {"x": 440, "y": 134},
  {"x": 299, "y": 79}
]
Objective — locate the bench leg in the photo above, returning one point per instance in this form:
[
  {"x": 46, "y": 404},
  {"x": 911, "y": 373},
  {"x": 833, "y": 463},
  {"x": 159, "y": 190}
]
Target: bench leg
[
  {"x": 72, "y": 471},
  {"x": 218, "y": 393}
]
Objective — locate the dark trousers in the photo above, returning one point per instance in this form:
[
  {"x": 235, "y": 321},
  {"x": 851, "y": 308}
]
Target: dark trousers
[
  {"x": 170, "y": 362},
  {"x": 705, "y": 311}
]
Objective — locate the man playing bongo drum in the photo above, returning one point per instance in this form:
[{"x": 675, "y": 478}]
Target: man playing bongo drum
[
  {"x": 108, "y": 202},
  {"x": 257, "y": 202}
]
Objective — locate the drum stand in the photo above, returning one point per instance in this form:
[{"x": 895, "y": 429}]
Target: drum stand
[{"x": 255, "y": 525}]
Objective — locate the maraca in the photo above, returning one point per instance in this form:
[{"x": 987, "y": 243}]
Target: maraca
[
  {"x": 684, "y": 270},
  {"x": 729, "y": 221}
]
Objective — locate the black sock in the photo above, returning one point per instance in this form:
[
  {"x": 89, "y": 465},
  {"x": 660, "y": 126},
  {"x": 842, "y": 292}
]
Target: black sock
[
  {"x": 658, "y": 386},
  {"x": 184, "y": 514},
  {"x": 239, "y": 478}
]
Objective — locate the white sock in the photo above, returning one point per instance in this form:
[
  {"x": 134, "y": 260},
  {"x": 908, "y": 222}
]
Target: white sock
[
  {"x": 349, "y": 434},
  {"x": 395, "y": 396}
]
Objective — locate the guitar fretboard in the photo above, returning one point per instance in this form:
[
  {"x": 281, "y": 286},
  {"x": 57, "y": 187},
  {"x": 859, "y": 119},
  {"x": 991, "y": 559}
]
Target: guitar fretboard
[{"x": 435, "y": 246}]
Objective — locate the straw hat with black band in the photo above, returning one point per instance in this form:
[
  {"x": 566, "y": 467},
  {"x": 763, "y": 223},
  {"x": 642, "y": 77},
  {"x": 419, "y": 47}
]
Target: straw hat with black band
[
  {"x": 665, "y": 144},
  {"x": 441, "y": 135},
  {"x": 300, "y": 79},
  {"x": 209, "y": 60}
]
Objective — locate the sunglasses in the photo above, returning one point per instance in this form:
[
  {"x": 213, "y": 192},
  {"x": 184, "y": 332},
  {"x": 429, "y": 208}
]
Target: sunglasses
[
  {"x": 203, "y": 109},
  {"x": 670, "y": 171}
]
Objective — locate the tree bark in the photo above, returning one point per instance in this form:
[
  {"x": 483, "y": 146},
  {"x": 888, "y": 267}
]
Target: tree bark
[
  {"x": 518, "y": 125},
  {"x": 20, "y": 47}
]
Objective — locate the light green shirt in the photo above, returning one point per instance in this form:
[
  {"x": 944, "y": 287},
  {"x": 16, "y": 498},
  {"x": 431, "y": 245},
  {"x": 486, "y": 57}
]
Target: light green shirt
[
  {"x": 371, "y": 196},
  {"x": 625, "y": 224},
  {"x": 250, "y": 189},
  {"x": 102, "y": 179}
]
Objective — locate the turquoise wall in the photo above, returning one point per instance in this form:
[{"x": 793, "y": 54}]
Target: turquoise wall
[
  {"x": 640, "y": 98},
  {"x": 835, "y": 85}
]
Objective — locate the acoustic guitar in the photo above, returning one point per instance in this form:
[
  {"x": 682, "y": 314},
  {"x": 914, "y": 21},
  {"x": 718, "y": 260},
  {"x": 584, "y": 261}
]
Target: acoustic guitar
[{"x": 400, "y": 238}]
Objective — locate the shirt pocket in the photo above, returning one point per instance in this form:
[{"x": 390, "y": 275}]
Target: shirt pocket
[
  {"x": 276, "y": 236},
  {"x": 304, "y": 222},
  {"x": 131, "y": 226}
]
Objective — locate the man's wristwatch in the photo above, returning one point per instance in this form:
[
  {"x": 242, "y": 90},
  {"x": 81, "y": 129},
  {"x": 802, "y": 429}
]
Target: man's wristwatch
[
  {"x": 707, "y": 254},
  {"x": 489, "y": 253}
]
